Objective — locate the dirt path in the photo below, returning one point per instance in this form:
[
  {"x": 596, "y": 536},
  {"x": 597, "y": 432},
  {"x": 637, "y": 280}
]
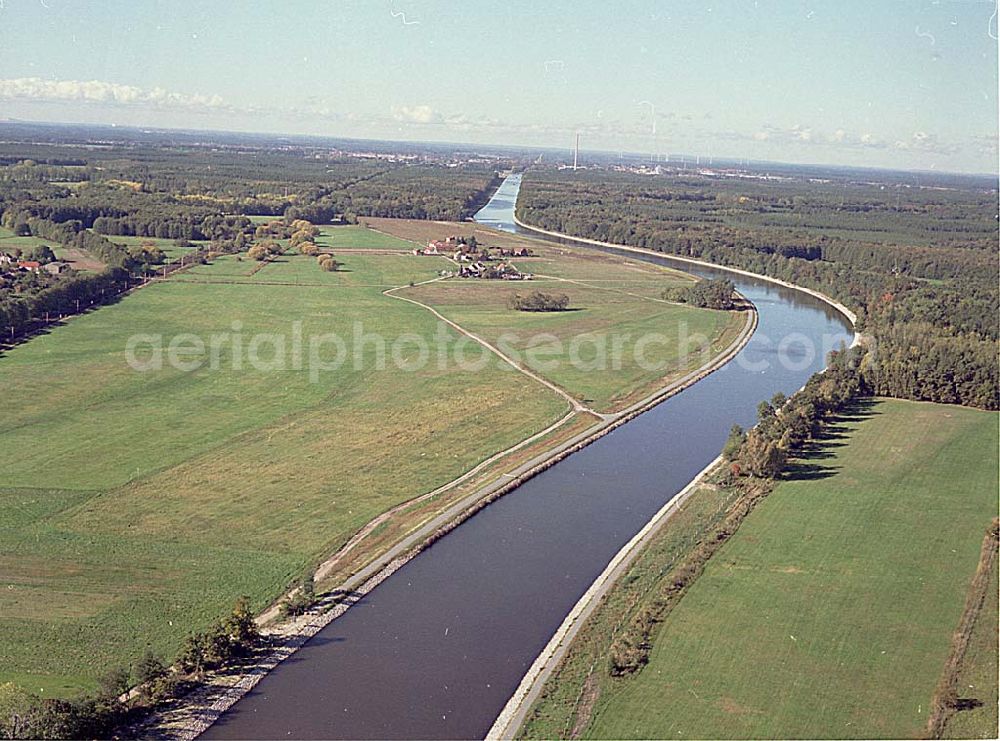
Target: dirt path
[
  {"x": 327, "y": 567},
  {"x": 573, "y": 401}
]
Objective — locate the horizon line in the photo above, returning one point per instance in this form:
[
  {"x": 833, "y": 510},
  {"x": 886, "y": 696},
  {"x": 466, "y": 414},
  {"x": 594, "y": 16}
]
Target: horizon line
[{"x": 517, "y": 147}]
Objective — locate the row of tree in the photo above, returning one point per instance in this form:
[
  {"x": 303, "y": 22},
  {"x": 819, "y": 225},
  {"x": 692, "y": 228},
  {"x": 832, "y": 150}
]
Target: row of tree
[
  {"x": 102, "y": 714},
  {"x": 785, "y": 424},
  {"x": 69, "y": 294},
  {"x": 755, "y": 459}
]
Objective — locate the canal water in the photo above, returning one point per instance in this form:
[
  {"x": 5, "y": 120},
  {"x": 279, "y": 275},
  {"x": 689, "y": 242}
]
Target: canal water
[{"x": 437, "y": 649}]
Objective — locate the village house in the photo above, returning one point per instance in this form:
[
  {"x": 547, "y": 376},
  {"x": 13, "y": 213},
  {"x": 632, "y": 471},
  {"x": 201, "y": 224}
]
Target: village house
[
  {"x": 31, "y": 265},
  {"x": 434, "y": 247}
]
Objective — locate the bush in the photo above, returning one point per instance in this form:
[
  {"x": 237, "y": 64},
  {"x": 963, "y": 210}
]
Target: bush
[
  {"x": 43, "y": 253},
  {"x": 326, "y": 262},
  {"x": 257, "y": 252},
  {"x": 538, "y": 301},
  {"x": 734, "y": 442},
  {"x": 299, "y": 600},
  {"x": 114, "y": 683}
]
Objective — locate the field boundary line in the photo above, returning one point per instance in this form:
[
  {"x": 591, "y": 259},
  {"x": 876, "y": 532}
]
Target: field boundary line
[
  {"x": 610, "y": 289},
  {"x": 324, "y": 569}
]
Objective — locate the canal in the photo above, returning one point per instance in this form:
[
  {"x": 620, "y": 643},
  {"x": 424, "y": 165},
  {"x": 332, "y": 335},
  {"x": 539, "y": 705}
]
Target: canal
[{"x": 436, "y": 650}]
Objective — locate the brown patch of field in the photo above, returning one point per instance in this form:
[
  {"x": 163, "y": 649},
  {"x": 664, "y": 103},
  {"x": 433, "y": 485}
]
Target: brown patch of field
[
  {"x": 731, "y": 707},
  {"x": 585, "y": 707},
  {"x": 80, "y": 260}
]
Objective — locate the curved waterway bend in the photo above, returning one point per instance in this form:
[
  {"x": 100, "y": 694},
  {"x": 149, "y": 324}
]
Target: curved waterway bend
[{"x": 436, "y": 650}]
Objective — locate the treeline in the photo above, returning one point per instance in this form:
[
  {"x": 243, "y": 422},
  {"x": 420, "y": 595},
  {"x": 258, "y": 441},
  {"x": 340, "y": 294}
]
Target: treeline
[
  {"x": 410, "y": 192},
  {"x": 104, "y": 713},
  {"x": 168, "y": 193},
  {"x": 68, "y": 295},
  {"x": 187, "y": 194},
  {"x": 124, "y": 212},
  {"x": 754, "y": 461},
  {"x": 930, "y": 310}
]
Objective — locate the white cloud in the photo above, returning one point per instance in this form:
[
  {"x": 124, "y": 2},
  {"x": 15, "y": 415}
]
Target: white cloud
[
  {"x": 418, "y": 114},
  {"x": 101, "y": 92},
  {"x": 921, "y": 141},
  {"x": 798, "y": 133}
]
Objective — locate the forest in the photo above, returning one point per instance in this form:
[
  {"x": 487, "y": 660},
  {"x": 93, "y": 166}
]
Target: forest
[{"x": 917, "y": 264}]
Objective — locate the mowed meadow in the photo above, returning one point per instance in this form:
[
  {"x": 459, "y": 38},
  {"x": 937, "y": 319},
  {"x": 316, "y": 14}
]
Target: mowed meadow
[
  {"x": 623, "y": 337},
  {"x": 828, "y": 614},
  {"x": 135, "y": 507}
]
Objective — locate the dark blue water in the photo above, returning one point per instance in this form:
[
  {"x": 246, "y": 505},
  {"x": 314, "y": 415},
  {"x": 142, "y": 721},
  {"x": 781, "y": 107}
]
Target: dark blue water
[{"x": 437, "y": 649}]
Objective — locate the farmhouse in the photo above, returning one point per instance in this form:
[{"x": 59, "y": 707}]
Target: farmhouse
[
  {"x": 500, "y": 271},
  {"x": 32, "y": 265},
  {"x": 462, "y": 249},
  {"x": 56, "y": 268},
  {"x": 434, "y": 247}
]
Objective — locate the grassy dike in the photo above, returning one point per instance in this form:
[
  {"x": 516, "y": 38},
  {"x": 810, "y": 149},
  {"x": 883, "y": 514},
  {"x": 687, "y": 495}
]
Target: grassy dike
[{"x": 829, "y": 613}]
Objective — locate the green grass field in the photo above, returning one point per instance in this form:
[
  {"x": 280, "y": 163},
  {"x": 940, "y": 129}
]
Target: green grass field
[
  {"x": 829, "y": 614},
  {"x": 136, "y": 506},
  {"x": 618, "y": 342},
  {"x": 9, "y": 242},
  {"x": 598, "y": 352},
  {"x": 359, "y": 237},
  {"x": 168, "y": 246}
]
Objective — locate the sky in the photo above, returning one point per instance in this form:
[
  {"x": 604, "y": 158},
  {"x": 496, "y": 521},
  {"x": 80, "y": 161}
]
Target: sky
[{"x": 905, "y": 84}]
